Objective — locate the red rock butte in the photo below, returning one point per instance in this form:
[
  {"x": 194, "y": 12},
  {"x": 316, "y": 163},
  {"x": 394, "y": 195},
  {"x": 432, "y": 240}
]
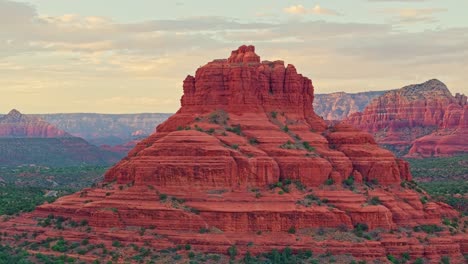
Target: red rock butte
[
  {"x": 420, "y": 120},
  {"x": 246, "y": 158}
]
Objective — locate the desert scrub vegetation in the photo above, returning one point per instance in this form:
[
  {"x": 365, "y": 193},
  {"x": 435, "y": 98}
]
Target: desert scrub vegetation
[
  {"x": 177, "y": 203},
  {"x": 307, "y": 146},
  {"x": 285, "y": 184},
  {"x": 14, "y": 200},
  {"x": 429, "y": 229},
  {"x": 236, "y": 129},
  {"x": 74, "y": 178},
  {"x": 310, "y": 200},
  {"x": 218, "y": 117},
  {"x": 440, "y": 168},
  {"x": 450, "y": 192}
]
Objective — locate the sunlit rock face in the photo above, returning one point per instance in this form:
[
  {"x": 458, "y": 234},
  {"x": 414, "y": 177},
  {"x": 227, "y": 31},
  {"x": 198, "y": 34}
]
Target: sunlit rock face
[
  {"x": 419, "y": 120},
  {"x": 247, "y": 157},
  {"x": 338, "y": 106}
]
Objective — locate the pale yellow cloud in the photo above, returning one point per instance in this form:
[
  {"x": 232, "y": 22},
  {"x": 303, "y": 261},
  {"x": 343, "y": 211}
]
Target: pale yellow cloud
[
  {"x": 74, "y": 63},
  {"x": 317, "y": 10},
  {"x": 412, "y": 15},
  {"x": 74, "y": 20},
  {"x": 295, "y": 9},
  {"x": 66, "y": 46}
]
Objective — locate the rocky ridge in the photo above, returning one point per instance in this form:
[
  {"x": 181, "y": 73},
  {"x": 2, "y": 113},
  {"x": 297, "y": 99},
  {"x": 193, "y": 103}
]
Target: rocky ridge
[
  {"x": 107, "y": 129},
  {"x": 246, "y": 161},
  {"x": 28, "y": 140},
  {"x": 419, "y": 120},
  {"x": 338, "y": 106},
  {"x": 15, "y": 124}
]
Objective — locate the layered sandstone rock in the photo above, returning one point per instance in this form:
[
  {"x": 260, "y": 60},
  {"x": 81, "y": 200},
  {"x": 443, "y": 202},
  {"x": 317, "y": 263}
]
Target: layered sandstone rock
[
  {"x": 338, "y": 106},
  {"x": 15, "y": 124},
  {"x": 246, "y": 160},
  {"x": 448, "y": 140},
  {"x": 424, "y": 119}
]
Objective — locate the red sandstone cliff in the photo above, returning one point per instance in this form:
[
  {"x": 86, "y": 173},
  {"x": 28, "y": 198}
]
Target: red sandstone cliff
[
  {"x": 15, "y": 124},
  {"x": 338, "y": 106},
  {"x": 247, "y": 157},
  {"x": 261, "y": 99},
  {"x": 424, "y": 119}
]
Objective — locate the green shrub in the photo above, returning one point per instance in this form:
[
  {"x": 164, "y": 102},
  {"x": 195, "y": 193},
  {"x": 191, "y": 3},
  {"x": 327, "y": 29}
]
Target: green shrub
[
  {"x": 405, "y": 256},
  {"x": 162, "y": 197},
  {"x": 375, "y": 201},
  {"x": 60, "y": 246},
  {"x": 393, "y": 259},
  {"x": 204, "y": 230},
  {"x": 430, "y": 229},
  {"x": 445, "y": 260},
  {"x": 116, "y": 243},
  {"x": 232, "y": 251},
  {"x": 349, "y": 181},
  {"x": 360, "y": 228},
  {"x": 253, "y": 141},
  {"x": 424, "y": 199},
  {"x": 307, "y": 146},
  {"x": 235, "y": 129}
]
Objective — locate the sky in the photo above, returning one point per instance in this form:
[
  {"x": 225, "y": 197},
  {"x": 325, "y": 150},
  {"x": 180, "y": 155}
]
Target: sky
[{"x": 131, "y": 56}]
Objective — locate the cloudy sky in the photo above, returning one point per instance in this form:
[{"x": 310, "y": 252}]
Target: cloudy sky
[{"x": 129, "y": 56}]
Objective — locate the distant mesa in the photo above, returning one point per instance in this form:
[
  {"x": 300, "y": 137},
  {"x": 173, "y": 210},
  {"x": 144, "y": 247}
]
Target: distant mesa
[
  {"x": 17, "y": 125},
  {"x": 338, "y": 106},
  {"x": 107, "y": 129},
  {"x": 26, "y": 140},
  {"x": 245, "y": 163},
  {"x": 421, "y": 120}
]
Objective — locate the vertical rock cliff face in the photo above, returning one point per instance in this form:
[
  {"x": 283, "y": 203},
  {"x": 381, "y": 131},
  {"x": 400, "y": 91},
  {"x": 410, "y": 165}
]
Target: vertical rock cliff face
[
  {"x": 449, "y": 139},
  {"x": 246, "y": 154},
  {"x": 269, "y": 104},
  {"x": 424, "y": 119},
  {"x": 338, "y": 106}
]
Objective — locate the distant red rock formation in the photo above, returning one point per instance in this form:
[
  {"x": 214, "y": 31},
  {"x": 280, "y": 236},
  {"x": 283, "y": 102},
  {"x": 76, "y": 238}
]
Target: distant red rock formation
[
  {"x": 424, "y": 119},
  {"x": 246, "y": 156},
  {"x": 15, "y": 124},
  {"x": 338, "y": 106},
  {"x": 30, "y": 140}
]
